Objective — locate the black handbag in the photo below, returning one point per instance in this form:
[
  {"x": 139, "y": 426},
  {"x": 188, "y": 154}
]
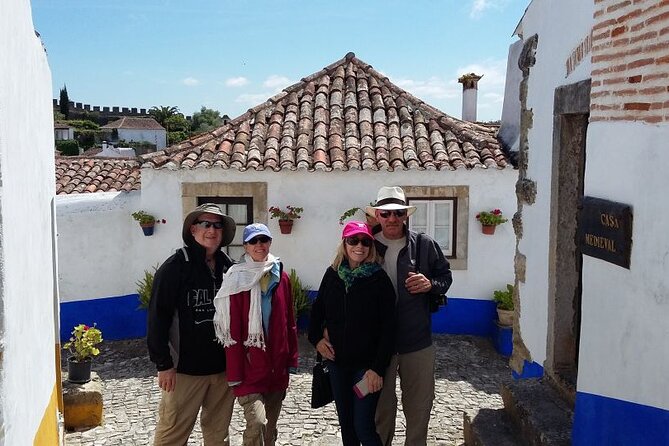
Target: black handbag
[{"x": 321, "y": 390}]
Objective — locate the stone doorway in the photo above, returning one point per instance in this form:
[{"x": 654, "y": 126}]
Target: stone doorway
[{"x": 570, "y": 123}]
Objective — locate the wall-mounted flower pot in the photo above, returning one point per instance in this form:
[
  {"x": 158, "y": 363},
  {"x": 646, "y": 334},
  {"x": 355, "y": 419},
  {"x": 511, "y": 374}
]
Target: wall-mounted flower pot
[
  {"x": 78, "y": 372},
  {"x": 286, "y": 226},
  {"x": 488, "y": 229},
  {"x": 148, "y": 229}
]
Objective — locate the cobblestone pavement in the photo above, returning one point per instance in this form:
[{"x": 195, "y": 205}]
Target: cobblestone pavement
[{"x": 468, "y": 375}]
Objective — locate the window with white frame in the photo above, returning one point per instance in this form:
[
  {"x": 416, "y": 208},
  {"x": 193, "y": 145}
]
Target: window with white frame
[{"x": 436, "y": 218}]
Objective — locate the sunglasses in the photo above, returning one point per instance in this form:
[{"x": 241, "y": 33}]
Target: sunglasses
[
  {"x": 259, "y": 239},
  {"x": 208, "y": 224},
  {"x": 399, "y": 213},
  {"x": 354, "y": 241}
]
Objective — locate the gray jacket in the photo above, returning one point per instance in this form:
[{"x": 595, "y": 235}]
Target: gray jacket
[{"x": 414, "y": 320}]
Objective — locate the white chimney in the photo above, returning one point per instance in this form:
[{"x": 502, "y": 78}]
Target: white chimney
[{"x": 469, "y": 95}]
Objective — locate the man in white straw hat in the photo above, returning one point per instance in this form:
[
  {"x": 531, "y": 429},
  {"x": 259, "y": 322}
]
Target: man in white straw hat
[
  {"x": 180, "y": 333},
  {"x": 419, "y": 271}
]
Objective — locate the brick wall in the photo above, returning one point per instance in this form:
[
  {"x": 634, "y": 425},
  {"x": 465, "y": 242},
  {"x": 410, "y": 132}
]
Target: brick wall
[{"x": 630, "y": 61}]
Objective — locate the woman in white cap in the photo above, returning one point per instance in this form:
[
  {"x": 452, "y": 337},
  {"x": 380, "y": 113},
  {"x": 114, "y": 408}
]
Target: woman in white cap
[
  {"x": 352, "y": 326},
  {"x": 255, "y": 323}
]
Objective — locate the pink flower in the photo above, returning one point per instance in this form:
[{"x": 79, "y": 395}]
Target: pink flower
[
  {"x": 86, "y": 327},
  {"x": 496, "y": 212}
]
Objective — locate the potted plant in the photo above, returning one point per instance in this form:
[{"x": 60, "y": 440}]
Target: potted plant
[
  {"x": 504, "y": 300},
  {"x": 82, "y": 349},
  {"x": 301, "y": 302},
  {"x": 145, "y": 287},
  {"x": 146, "y": 221},
  {"x": 285, "y": 217},
  {"x": 490, "y": 220}
]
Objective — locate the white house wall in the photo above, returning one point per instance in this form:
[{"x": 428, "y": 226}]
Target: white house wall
[
  {"x": 548, "y": 19},
  {"x": 28, "y": 391},
  {"x": 624, "y": 327},
  {"x": 157, "y": 137}
]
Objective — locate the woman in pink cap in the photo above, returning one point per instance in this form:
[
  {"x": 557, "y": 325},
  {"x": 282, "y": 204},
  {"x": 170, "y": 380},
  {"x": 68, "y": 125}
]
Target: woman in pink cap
[{"x": 352, "y": 327}]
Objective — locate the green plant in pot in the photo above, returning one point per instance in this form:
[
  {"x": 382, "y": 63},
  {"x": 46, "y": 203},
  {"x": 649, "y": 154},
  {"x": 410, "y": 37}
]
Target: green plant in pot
[
  {"x": 504, "y": 300},
  {"x": 82, "y": 348},
  {"x": 145, "y": 288},
  {"x": 285, "y": 217},
  {"x": 146, "y": 221},
  {"x": 490, "y": 220},
  {"x": 300, "y": 295}
]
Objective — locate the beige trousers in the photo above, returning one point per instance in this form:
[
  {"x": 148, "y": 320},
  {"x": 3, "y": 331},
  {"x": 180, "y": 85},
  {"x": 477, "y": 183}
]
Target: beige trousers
[
  {"x": 261, "y": 412},
  {"x": 416, "y": 372},
  {"x": 178, "y": 410}
]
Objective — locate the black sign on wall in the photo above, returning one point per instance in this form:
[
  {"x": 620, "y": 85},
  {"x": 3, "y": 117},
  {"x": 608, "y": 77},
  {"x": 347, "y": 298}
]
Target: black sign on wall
[{"x": 605, "y": 230}]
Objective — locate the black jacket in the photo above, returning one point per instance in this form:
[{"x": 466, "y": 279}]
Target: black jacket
[
  {"x": 360, "y": 323},
  {"x": 414, "y": 320},
  {"x": 180, "y": 320}
]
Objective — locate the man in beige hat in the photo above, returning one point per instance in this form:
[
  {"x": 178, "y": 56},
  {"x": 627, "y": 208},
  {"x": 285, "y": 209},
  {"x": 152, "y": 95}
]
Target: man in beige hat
[
  {"x": 180, "y": 334},
  {"x": 416, "y": 277}
]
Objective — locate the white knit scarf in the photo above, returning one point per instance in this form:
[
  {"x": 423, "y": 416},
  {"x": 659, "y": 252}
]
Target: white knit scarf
[{"x": 242, "y": 277}]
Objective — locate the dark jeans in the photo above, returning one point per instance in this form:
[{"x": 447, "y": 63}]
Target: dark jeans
[{"x": 356, "y": 416}]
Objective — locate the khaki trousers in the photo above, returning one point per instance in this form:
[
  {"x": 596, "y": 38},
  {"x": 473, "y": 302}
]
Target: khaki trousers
[
  {"x": 261, "y": 412},
  {"x": 178, "y": 410},
  {"x": 416, "y": 372}
]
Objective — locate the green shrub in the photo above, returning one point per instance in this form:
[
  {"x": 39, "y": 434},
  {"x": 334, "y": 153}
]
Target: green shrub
[
  {"x": 301, "y": 303},
  {"x": 68, "y": 147},
  {"x": 86, "y": 138},
  {"x": 145, "y": 287},
  {"x": 504, "y": 298},
  {"x": 83, "y": 124}
]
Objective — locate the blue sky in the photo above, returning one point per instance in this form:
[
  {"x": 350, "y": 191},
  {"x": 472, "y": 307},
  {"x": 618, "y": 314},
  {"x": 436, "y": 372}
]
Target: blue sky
[{"x": 233, "y": 55}]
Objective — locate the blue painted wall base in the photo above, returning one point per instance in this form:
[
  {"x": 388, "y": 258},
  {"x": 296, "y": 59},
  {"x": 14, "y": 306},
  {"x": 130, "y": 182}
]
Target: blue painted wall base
[
  {"x": 117, "y": 317},
  {"x": 465, "y": 316},
  {"x": 612, "y": 422},
  {"x": 530, "y": 370}
]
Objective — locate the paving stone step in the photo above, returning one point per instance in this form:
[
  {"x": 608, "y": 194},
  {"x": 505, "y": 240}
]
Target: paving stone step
[
  {"x": 540, "y": 416},
  {"x": 489, "y": 427}
]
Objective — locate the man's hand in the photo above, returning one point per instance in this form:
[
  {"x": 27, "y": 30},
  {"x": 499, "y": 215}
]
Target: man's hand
[
  {"x": 374, "y": 381},
  {"x": 417, "y": 283},
  {"x": 167, "y": 379},
  {"x": 326, "y": 349}
]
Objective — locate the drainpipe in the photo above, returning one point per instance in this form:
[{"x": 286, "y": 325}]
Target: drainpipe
[{"x": 469, "y": 95}]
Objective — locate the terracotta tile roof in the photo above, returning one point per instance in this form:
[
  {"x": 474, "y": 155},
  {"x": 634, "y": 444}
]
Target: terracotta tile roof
[
  {"x": 346, "y": 116},
  {"x": 61, "y": 125},
  {"x": 134, "y": 123},
  {"x": 80, "y": 174}
]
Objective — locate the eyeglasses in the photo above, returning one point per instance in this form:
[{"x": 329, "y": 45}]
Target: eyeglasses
[
  {"x": 204, "y": 224},
  {"x": 399, "y": 213},
  {"x": 354, "y": 241},
  {"x": 259, "y": 239}
]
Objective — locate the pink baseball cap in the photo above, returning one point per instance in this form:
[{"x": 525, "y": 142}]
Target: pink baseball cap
[{"x": 356, "y": 227}]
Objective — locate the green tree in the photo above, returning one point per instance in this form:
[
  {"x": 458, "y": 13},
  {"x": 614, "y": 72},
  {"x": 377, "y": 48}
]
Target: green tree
[
  {"x": 163, "y": 112},
  {"x": 64, "y": 102},
  {"x": 205, "y": 120}
]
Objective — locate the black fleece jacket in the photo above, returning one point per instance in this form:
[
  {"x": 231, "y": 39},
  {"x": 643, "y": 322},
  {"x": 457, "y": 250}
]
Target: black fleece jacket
[
  {"x": 360, "y": 322},
  {"x": 180, "y": 320}
]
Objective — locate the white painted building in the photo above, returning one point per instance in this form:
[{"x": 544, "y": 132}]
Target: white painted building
[
  {"x": 62, "y": 131},
  {"x": 138, "y": 129},
  {"x": 283, "y": 153},
  {"x": 29, "y": 378},
  {"x": 595, "y": 123}
]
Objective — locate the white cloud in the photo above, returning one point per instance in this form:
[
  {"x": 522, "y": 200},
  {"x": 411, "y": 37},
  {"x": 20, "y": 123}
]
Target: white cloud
[
  {"x": 236, "y": 81},
  {"x": 276, "y": 82},
  {"x": 480, "y": 6},
  {"x": 433, "y": 87},
  {"x": 253, "y": 99},
  {"x": 190, "y": 82},
  {"x": 493, "y": 71}
]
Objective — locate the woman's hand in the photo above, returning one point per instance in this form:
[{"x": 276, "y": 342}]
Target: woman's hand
[
  {"x": 325, "y": 349},
  {"x": 374, "y": 381}
]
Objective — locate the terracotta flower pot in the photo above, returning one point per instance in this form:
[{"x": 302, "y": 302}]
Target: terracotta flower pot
[
  {"x": 505, "y": 317},
  {"x": 286, "y": 226},
  {"x": 488, "y": 229}
]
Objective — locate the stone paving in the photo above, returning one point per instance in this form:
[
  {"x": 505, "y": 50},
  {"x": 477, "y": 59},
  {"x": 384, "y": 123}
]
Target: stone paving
[{"x": 468, "y": 376}]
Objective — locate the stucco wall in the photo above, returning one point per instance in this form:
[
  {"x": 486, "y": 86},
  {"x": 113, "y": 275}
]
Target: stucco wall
[
  {"x": 157, "y": 137},
  {"x": 549, "y": 20},
  {"x": 326, "y": 195},
  {"x": 27, "y": 182},
  {"x": 624, "y": 327}
]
